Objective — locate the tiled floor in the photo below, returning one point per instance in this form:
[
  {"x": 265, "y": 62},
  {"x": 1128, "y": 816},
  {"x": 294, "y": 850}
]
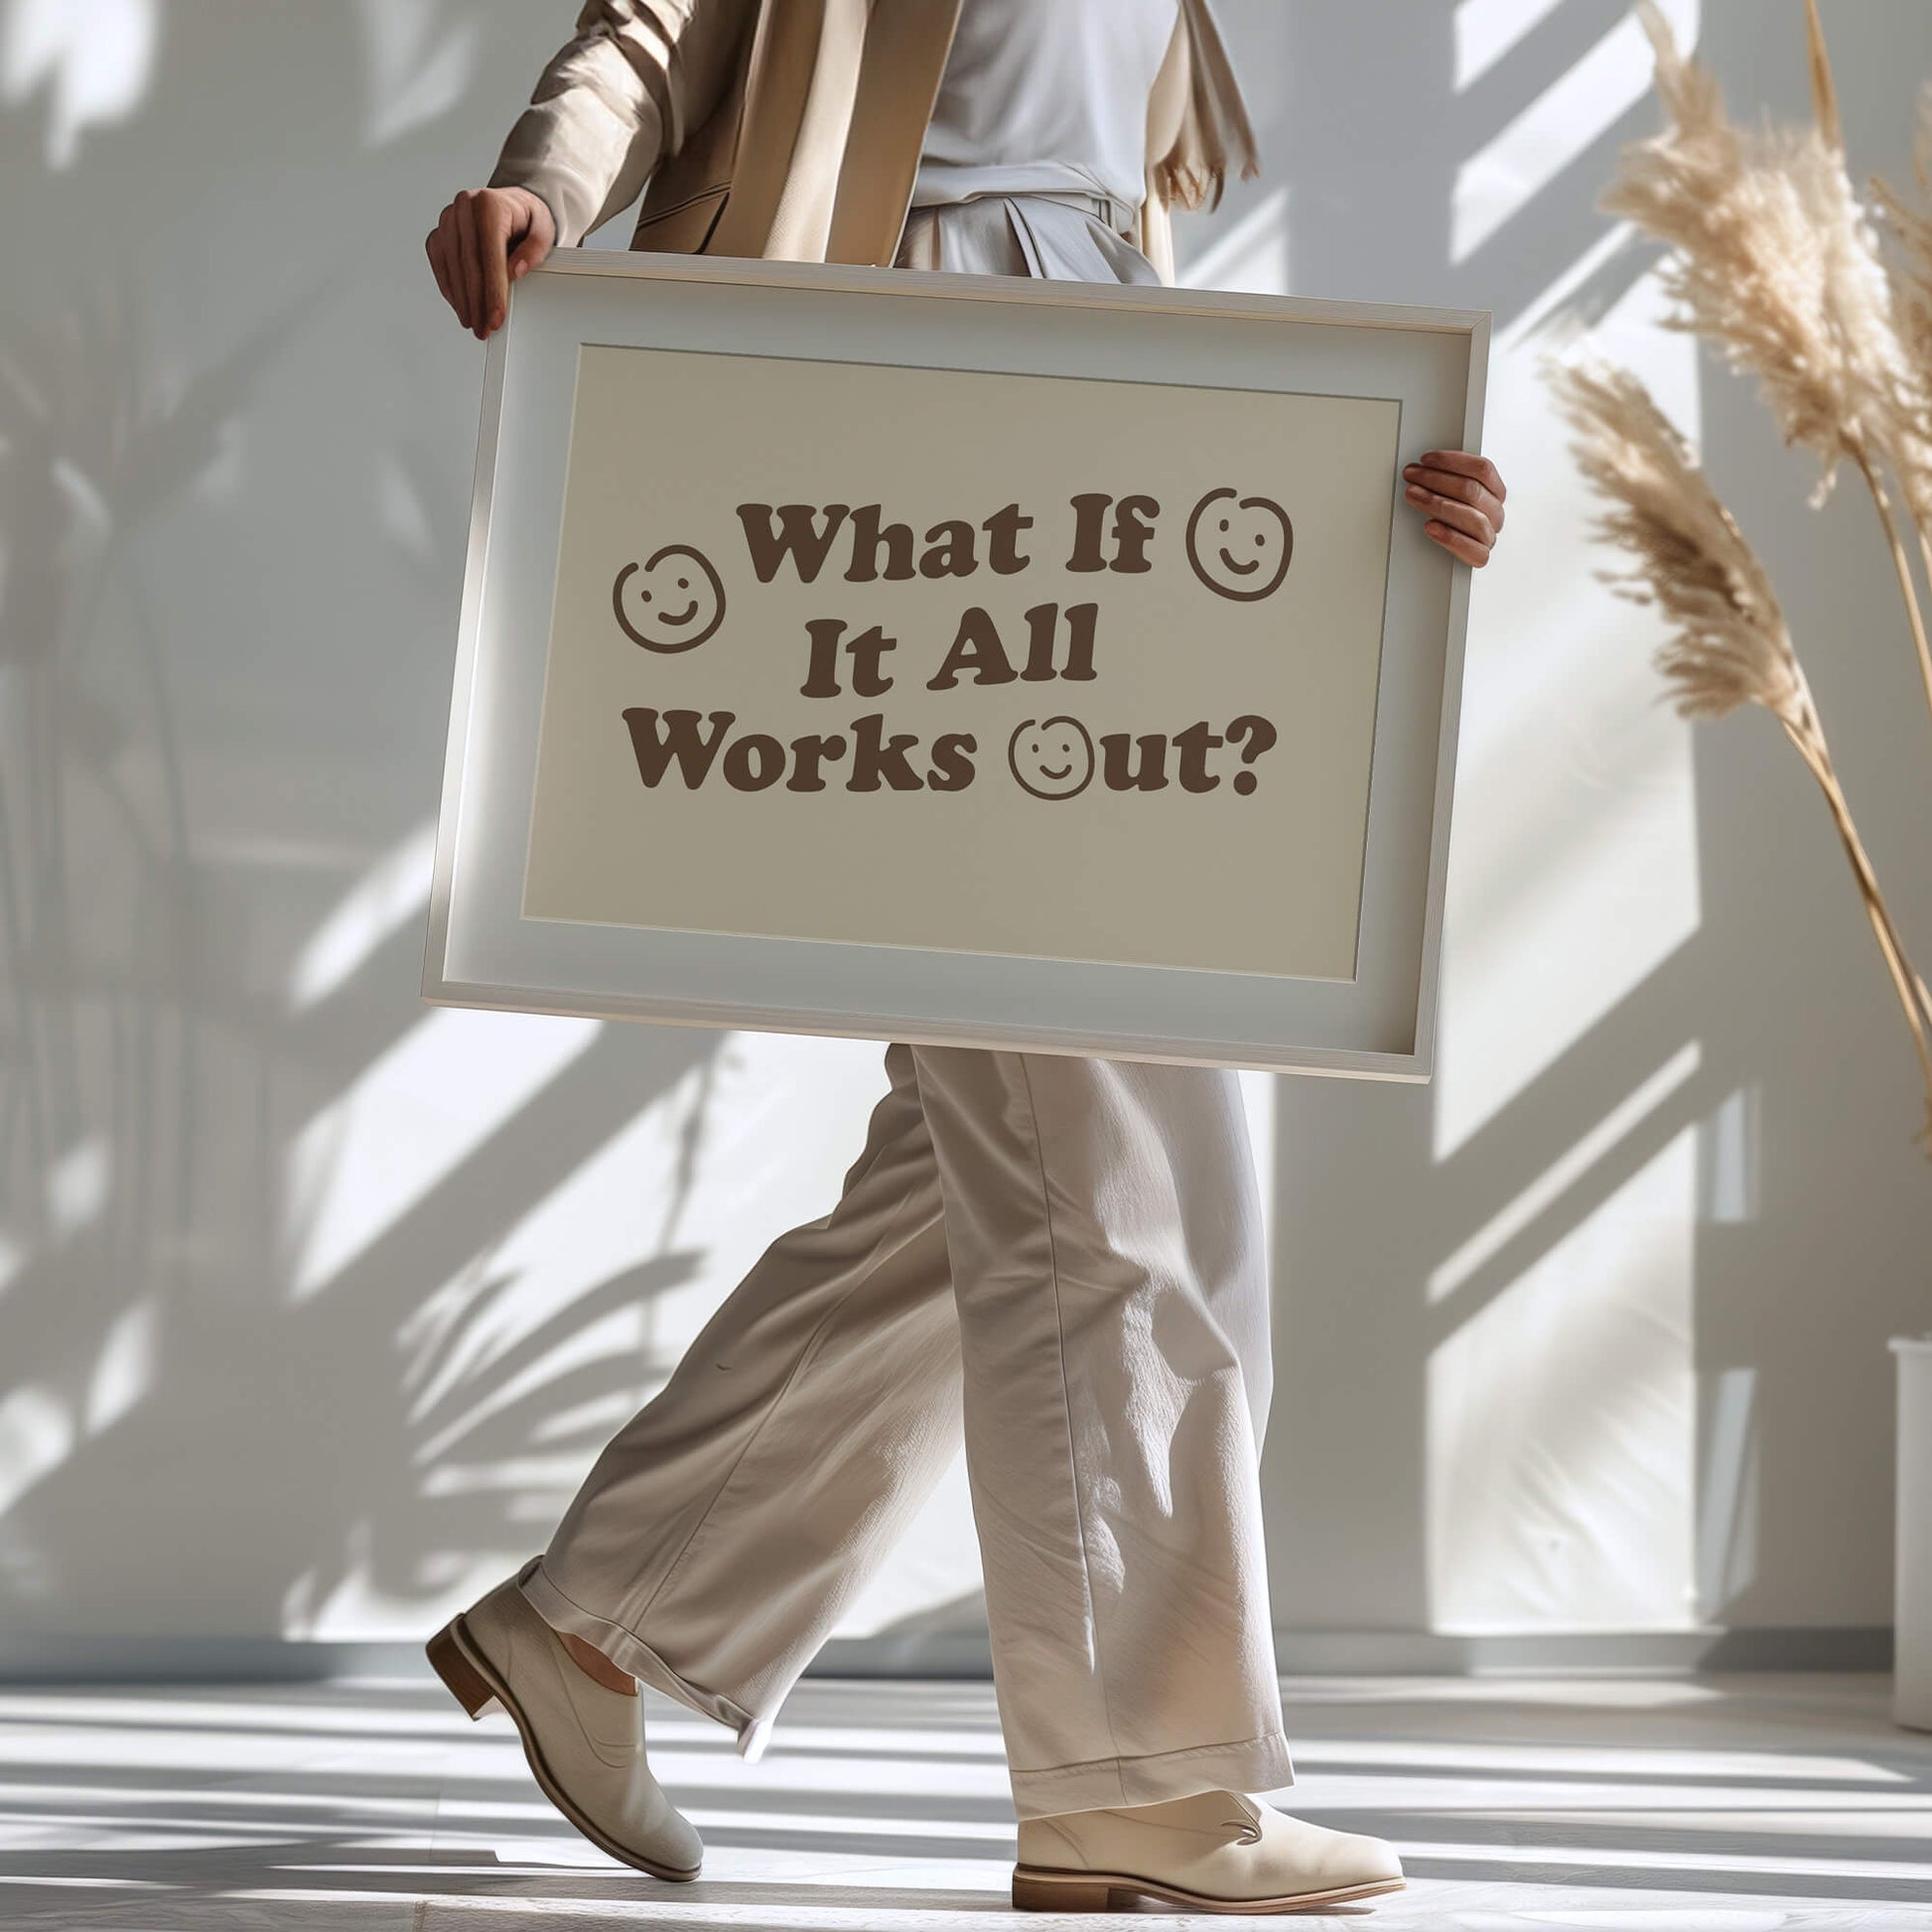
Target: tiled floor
[{"x": 1724, "y": 1805}]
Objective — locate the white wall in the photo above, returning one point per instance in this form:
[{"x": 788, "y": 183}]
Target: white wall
[{"x": 314, "y": 1303}]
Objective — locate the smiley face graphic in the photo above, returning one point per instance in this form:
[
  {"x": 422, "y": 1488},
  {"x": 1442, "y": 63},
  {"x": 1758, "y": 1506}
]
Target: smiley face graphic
[
  {"x": 1052, "y": 757},
  {"x": 1240, "y": 547},
  {"x": 676, "y": 602}
]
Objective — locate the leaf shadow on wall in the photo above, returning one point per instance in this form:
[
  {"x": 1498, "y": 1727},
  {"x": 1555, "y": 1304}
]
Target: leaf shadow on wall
[{"x": 234, "y": 457}]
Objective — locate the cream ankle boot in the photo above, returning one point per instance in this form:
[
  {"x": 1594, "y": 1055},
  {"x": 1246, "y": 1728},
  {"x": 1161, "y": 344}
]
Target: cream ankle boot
[
  {"x": 585, "y": 1743},
  {"x": 1213, "y": 1852}
]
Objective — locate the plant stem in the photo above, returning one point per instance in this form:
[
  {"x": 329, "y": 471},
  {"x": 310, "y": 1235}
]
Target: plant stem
[
  {"x": 1925, "y": 556},
  {"x": 1906, "y": 981},
  {"x": 1901, "y": 564}
]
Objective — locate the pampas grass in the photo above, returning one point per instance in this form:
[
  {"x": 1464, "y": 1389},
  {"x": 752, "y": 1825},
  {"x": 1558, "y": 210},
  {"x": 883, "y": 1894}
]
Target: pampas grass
[
  {"x": 1774, "y": 260},
  {"x": 1729, "y": 644}
]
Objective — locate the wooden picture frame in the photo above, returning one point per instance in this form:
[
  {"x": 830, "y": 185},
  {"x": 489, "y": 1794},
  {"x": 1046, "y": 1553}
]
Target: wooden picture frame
[{"x": 877, "y": 362}]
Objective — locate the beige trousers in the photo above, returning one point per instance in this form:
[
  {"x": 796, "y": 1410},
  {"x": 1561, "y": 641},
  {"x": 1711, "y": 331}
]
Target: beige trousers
[
  {"x": 1063, "y": 1255},
  {"x": 1063, "y": 1258}
]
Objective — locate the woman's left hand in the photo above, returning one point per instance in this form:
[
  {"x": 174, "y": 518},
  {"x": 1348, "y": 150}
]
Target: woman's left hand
[{"x": 1461, "y": 494}]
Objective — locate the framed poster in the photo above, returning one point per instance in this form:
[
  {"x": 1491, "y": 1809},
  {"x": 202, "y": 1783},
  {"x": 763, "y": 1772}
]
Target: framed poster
[{"x": 955, "y": 658}]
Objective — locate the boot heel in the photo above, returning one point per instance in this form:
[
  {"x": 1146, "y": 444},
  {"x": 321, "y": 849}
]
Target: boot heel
[
  {"x": 458, "y": 1673},
  {"x": 1033, "y": 1894}
]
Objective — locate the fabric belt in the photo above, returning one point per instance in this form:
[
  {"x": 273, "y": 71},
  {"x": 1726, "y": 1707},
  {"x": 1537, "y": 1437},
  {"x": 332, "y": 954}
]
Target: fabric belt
[
  {"x": 1109, "y": 213},
  {"x": 1121, "y": 216}
]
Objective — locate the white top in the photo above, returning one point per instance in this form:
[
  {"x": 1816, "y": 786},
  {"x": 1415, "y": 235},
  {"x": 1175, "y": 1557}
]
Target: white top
[{"x": 1046, "y": 97}]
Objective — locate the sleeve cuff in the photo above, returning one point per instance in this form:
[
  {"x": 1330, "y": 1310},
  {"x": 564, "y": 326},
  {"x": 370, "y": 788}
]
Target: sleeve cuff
[{"x": 549, "y": 191}]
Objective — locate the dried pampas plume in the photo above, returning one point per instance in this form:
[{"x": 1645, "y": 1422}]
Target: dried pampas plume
[
  {"x": 1776, "y": 259},
  {"x": 1730, "y": 644}
]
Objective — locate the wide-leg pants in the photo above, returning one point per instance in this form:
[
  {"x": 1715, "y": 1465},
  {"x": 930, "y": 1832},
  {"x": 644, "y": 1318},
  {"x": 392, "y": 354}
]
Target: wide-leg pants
[{"x": 1059, "y": 1259}]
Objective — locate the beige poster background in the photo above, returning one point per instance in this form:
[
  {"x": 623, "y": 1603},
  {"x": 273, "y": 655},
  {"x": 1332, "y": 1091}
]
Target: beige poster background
[{"x": 991, "y": 827}]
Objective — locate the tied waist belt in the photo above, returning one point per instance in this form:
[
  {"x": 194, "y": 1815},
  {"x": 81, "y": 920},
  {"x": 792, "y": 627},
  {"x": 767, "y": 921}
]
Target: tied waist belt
[{"x": 1123, "y": 217}]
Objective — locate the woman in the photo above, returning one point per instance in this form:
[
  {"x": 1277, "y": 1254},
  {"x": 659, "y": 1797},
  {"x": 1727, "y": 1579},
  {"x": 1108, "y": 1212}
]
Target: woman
[{"x": 1057, "y": 1257}]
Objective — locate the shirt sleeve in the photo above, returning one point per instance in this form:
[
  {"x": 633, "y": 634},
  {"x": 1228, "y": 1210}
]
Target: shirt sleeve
[{"x": 615, "y": 100}]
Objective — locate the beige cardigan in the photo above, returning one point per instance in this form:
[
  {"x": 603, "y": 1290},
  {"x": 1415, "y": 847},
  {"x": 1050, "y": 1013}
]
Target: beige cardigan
[{"x": 792, "y": 128}]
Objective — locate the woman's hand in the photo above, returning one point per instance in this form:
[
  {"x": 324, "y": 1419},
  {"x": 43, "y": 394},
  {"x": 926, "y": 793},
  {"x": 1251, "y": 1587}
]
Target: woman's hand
[
  {"x": 1461, "y": 494},
  {"x": 487, "y": 239}
]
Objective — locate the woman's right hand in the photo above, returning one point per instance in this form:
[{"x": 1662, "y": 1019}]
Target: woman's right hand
[{"x": 484, "y": 240}]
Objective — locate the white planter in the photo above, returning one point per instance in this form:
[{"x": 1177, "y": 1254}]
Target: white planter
[{"x": 1912, "y": 1680}]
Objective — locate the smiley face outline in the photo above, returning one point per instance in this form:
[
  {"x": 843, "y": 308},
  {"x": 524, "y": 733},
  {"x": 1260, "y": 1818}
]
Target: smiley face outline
[
  {"x": 1044, "y": 724},
  {"x": 651, "y": 564},
  {"x": 1254, "y": 594}
]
